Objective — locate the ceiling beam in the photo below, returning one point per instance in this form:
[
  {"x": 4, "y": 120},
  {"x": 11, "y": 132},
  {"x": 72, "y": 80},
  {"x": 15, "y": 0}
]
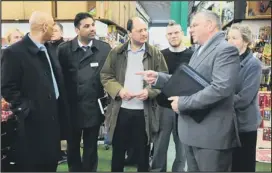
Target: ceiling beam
[{"x": 158, "y": 24}]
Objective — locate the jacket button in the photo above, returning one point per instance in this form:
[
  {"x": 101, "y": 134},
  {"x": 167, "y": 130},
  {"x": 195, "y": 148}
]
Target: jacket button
[
  {"x": 45, "y": 73},
  {"x": 49, "y": 96},
  {"x": 53, "y": 118}
]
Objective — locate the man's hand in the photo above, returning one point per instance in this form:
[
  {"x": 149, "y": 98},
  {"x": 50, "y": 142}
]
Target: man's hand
[
  {"x": 174, "y": 103},
  {"x": 149, "y": 76},
  {"x": 142, "y": 95},
  {"x": 125, "y": 94}
]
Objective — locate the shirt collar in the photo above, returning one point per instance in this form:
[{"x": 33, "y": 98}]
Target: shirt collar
[
  {"x": 177, "y": 49},
  {"x": 139, "y": 50},
  {"x": 81, "y": 45},
  {"x": 39, "y": 45}
]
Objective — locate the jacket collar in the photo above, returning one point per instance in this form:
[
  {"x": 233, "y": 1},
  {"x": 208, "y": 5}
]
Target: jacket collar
[
  {"x": 76, "y": 46},
  {"x": 124, "y": 47},
  {"x": 246, "y": 59},
  {"x": 32, "y": 47},
  {"x": 57, "y": 42}
]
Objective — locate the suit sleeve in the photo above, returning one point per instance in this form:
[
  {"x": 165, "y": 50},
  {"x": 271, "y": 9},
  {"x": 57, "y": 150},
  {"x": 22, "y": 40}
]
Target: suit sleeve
[
  {"x": 162, "y": 68},
  {"x": 250, "y": 87},
  {"x": 11, "y": 76},
  {"x": 224, "y": 75}
]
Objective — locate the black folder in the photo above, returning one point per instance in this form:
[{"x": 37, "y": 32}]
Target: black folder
[{"x": 184, "y": 82}]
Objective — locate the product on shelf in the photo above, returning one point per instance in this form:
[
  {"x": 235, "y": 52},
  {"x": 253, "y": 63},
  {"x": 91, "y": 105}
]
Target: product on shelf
[
  {"x": 267, "y": 134},
  {"x": 5, "y": 110}
]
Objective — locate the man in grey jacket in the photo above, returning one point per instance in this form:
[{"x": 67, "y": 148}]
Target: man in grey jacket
[{"x": 208, "y": 144}]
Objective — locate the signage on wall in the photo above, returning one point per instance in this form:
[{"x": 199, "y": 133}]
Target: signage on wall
[
  {"x": 227, "y": 14},
  {"x": 225, "y": 9},
  {"x": 258, "y": 9}
]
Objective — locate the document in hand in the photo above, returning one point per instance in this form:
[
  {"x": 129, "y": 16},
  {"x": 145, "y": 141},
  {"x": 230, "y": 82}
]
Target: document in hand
[
  {"x": 103, "y": 103},
  {"x": 184, "y": 82}
]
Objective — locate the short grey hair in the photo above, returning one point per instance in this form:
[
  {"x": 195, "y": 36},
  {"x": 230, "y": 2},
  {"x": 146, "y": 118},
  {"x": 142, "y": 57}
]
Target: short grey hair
[
  {"x": 245, "y": 32},
  {"x": 210, "y": 15}
]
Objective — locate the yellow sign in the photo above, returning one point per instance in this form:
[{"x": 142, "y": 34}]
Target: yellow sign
[{"x": 267, "y": 51}]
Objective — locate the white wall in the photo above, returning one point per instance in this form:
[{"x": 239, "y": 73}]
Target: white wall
[
  {"x": 68, "y": 28},
  {"x": 157, "y": 35},
  {"x": 256, "y": 24}
]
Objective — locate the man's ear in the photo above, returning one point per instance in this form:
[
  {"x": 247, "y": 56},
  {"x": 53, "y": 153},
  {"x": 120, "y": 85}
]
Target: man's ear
[
  {"x": 77, "y": 30},
  {"x": 45, "y": 27},
  {"x": 129, "y": 34}
]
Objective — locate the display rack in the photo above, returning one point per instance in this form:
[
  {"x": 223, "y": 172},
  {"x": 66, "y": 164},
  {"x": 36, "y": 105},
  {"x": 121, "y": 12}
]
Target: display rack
[{"x": 262, "y": 50}]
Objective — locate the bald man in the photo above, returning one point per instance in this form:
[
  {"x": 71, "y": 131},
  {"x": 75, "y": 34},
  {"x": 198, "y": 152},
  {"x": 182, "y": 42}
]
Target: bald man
[
  {"x": 32, "y": 82},
  {"x": 133, "y": 119}
]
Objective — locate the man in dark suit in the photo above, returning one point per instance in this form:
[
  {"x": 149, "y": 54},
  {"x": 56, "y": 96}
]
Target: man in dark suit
[
  {"x": 82, "y": 59},
  {"x": 32, "y": 82}
]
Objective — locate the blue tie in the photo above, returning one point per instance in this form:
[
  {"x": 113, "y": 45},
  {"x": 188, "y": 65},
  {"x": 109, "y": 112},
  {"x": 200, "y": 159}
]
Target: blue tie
[{"x": 43, "y": 48}]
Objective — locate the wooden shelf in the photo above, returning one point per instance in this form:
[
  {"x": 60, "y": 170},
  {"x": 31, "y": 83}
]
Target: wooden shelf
[{"x": 109, "y": 22}]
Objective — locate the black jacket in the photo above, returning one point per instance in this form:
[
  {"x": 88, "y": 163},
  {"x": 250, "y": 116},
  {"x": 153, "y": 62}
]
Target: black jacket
[
  {"x": 82, "y": 80},
  {"x": 56, "y": 43},
  {"x": 26, "y": 83}
]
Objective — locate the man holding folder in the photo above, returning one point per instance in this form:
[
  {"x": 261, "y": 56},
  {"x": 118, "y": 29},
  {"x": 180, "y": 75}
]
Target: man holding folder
[{"x": 208, "y": 143}]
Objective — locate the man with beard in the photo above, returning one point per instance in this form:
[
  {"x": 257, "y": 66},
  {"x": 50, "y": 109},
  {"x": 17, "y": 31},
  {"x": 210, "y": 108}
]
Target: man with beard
[
  {"x": 32, "y": 82},
  {"x": 82, "y": 59},
  {"x": 174, "y": 56}
]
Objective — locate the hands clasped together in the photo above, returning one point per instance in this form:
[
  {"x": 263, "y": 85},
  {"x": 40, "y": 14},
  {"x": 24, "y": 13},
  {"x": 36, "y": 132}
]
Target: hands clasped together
[{"x": 127, "y": 95}]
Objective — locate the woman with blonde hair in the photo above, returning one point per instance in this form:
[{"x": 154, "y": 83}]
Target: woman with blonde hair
[
  {"x": 245, "y": 99},
  {"x": 13, "y": 35}
]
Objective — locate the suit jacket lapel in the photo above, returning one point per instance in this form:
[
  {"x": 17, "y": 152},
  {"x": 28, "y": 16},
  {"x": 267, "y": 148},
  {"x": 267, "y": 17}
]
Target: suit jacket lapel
[
  {"x": 211, "y": 45},
  {"x": 54, "y": 62},
  {"x": 88, "y": 53},
  {"x": 203, "y": 55},
  {"x": 194, "y": 56}
]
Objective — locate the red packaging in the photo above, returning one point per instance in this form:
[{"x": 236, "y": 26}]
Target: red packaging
[
  {"x": 269, "y": 100},
  {"x": 262, "y": 124},
  {"x": 265, "y": 101},
  {"x": 261, "y": 100},
  {"x": 267, "y": 134},
  {"x": 262, "y": 112}
]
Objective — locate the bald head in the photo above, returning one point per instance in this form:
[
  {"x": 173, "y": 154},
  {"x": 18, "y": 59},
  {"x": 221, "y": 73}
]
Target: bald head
[
  {"x": 39, "y": 19},
  {"x": 138, "y": 33},
  {"x": 41, "y": 26},
  {"x": 134, "y": 21}
]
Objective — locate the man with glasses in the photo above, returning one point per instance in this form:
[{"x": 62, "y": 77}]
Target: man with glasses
[{"x": 208, "y": 144}]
